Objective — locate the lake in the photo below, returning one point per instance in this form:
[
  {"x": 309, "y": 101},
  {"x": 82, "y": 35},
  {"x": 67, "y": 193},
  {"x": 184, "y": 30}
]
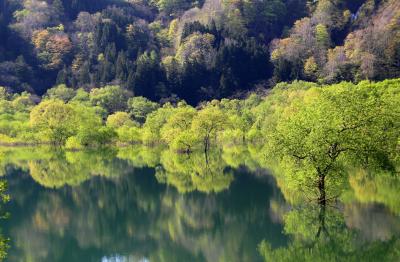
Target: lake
[{"x": 150, "y": 205}]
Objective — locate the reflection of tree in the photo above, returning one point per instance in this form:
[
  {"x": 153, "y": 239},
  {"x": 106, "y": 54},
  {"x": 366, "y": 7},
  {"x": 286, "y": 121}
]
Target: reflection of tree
[
  {"x": 194, "y": 171},
  {"x": 141, "y": 156},
  {"x": 58, "y": 168},
  {"x": 187, "y": 172},
  {"x": 320, "y": 234},
  {"x": 236, "y": 156}
]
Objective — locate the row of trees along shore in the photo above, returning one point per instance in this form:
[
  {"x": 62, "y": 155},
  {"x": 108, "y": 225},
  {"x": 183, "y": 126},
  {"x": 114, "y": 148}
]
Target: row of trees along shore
[{"x": 304, "y": 126}]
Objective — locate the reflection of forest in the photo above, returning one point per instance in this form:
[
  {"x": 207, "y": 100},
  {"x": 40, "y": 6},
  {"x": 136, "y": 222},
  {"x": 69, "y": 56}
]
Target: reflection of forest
[
  {"x": 85, "y": 205},
  {"x": 133, "y": 215}
]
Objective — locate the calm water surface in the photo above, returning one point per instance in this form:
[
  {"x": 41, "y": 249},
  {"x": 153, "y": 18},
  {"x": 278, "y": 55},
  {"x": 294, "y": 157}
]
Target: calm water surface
[{"x": 68, "y": 207}]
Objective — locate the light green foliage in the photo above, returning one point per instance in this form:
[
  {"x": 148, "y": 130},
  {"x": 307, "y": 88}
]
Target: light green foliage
[
  {"x": 127, "y": 130},
  {"x": 184, "y": 141},
  {"x": 73, "y": 143},
  {"x": 61, "y": 92},
  {"x": 119, "y": 119},
  {"x": 91, "y": 131},
  {"x": 22, "y": 102},
  {"x": 14, "y": 119},
  {"x": 129, "y": 135},
  {"x": 55, "y": 120},
  {"x": 316, "y": 132},
  {"x": 139, "y": 107},
  {"x": 111, "y": 98},
  {"x": 81, "y": 96},
  {"x": 154, "y": 123},
  {"x": 208, "y": 123},
  {"x": 176, "y": 131},
  {"x": 100, "y": 137},
  {"x": 240, "y": 119}
]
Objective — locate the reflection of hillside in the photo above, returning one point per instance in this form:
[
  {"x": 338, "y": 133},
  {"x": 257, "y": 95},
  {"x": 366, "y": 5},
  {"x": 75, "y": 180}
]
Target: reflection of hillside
[
  {"x": 372, "y": 221},
  {"x": 133, "y": 214},
  {"x": 381, "y": 188}
]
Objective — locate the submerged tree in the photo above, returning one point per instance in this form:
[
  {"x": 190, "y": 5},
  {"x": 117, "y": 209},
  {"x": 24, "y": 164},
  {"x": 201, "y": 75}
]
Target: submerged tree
[
  {"x": 323, "y": 130},
  {"x": 207, "y": 124}
]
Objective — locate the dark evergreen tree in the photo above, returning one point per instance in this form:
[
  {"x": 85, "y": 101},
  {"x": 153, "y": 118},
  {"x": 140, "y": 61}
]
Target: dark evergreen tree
[
  {"x": 148, "y": 74},
  {"x": 121, "y": 67}
]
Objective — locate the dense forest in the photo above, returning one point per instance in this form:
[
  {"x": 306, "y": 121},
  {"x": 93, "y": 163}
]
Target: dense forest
[{"x": 172, "y": 50}]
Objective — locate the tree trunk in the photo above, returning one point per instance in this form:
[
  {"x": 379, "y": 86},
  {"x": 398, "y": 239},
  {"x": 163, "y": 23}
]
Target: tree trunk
[
  {"x": 321, "y": 188},
  {"x": 321, "y": 221}
]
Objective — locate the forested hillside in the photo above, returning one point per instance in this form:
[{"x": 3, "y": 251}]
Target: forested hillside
[{"x": 167, "y": 50}]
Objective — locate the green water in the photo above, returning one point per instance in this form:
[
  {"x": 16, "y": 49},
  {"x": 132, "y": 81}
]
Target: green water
[{"x": 136, "y": 206}]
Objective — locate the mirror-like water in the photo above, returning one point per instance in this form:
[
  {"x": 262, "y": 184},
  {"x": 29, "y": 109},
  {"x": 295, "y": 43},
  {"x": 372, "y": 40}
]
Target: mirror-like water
[{"x": 107, "y": 207}]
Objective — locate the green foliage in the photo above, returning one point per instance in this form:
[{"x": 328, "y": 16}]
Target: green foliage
[
  {"x": 73, "y": 143},
  {"x": 171, "y": 7},
  {"x": 111, "y": 98},
  {"x": 129, "y": 135},
  {"x": 208, "y": 123},
  {"x": 139, "y": 107},
  {"x": 197, "y": 49},
  {"x": 322, "y": 36},
  {"x": 119, "y": 119},
  {"x": 317, "y": 132},
  {"x": 60, "y": 92},
  {"x": 55, "y": 120},
  {"x": 81, "y": 96},
  {"x": 154, "y": 123},
  {"x": 177, "y": 130}
]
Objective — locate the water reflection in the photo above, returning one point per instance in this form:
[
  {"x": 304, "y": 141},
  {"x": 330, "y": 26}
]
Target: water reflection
[
  {"x": 322, "y": 233},
  {"x": 120, "y": 212},
  {"x": 4, "y": 198},
  {"x": 141, "y": 204}
]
